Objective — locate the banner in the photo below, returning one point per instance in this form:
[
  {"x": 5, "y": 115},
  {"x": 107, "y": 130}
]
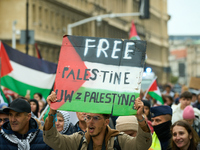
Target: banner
[{"x": 99, "y": 75}]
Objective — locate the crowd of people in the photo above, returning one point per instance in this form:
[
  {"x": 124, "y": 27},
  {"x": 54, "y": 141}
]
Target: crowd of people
[{"x": 172, "y": 126}]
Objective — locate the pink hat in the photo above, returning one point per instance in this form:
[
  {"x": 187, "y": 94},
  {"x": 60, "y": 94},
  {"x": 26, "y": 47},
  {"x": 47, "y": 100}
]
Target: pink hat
[{"x": 188, "y": 113}]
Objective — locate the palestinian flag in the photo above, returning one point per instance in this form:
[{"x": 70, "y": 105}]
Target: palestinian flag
[
  {"x": 155, "y": 93},
  {"x": 133, "y": 33},
  {"x": 99, "y": 75},
  {"x": 2, "y": 97},
  {"x": 21, "y": 72}
]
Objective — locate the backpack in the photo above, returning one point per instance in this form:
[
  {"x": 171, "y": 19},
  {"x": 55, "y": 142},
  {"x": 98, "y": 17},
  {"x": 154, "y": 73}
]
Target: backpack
[{"x": 116, "y": 145}]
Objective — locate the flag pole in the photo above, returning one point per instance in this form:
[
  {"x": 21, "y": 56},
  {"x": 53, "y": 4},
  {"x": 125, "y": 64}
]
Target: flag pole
[
  {"x": 44, "y": 111},
  {"x": 149, "y": 88}
]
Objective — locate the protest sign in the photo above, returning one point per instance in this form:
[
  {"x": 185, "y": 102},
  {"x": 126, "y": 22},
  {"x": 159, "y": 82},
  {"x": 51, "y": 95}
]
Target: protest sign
[
  {"x": 194, "y": 83},
  {"x": 99, "y": 75}
]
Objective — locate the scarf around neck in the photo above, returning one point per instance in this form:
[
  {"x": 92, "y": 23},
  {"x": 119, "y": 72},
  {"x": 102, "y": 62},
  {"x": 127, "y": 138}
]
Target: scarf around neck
[{"x": 23, "y": 144}]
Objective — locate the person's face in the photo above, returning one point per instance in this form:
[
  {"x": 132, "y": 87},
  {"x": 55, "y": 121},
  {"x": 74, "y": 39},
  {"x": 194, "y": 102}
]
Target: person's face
[
  {"x": 184, "y": 102},
  {"x": 40, "y": 105},
  {"x": 33, "y": 106},
  {"x": 36, "y": 96},
  {"x": 158, "y": 120},
  {"x": 181, "y": 137},
  {"x": 3, "y": 119},
  {"x": 146, "y": 110},
  {"x": 19, "y": 122},
  {"x": 190, "y": 121},
  {"x": 198, "y": 98},
  {"x": 132, "y": 133},
  {"x": 81, "y": 116},
  {"x": 96, "y": 124},
  {"x": 168, "y": 89},
  {"x": 194, "y": 97},
  {"x": 168, "y": 101},
  {"x": 59, "y": 123}
]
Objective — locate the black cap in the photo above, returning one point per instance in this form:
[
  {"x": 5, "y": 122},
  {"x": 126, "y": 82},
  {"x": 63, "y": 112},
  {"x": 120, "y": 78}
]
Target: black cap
[
  {"x": 2, "y": 112},
  {"x": 18, "y": 105}
]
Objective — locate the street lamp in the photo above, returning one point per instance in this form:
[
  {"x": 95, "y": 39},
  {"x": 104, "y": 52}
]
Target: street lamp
[{"x": 100, "y": 17}]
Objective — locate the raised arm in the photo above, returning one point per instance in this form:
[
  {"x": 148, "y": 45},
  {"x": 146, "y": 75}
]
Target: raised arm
[
  {"x": 139, "y": 106},
  {"x": 49, "y": 120}
]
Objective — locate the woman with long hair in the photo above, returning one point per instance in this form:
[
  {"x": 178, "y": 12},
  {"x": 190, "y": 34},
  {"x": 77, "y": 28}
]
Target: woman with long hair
[
  {"x": 183, "y": 136},
  {"x": 34, "y": 107}
]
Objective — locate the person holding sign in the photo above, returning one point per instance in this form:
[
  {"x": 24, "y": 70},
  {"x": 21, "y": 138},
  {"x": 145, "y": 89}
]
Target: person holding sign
[{"x": 99, "y": 135}]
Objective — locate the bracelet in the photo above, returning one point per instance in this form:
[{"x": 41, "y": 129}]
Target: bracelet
[
  {"x": 54, "y": 118},
  {"x": 141, "y": 120}
]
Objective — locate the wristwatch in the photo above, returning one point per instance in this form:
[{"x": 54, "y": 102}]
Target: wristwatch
[{"x": 141, "y": 119}]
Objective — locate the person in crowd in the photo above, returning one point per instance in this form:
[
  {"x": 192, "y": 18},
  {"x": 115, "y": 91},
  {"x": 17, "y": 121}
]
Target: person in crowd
[
  {"x": 21, "y": 131},
  {"x": 41, "y": 105},
  {"x": 34, "y": 107},
  {"x": 99, "y": 135},
  {"x": 81, "y": 124},
  {"x": 184, "y": 89},
  {"x": 188, "y": 115},
  {"x": 161, "y": 122},
  {"x": 176, "y": 95},
  {"x": 3, "y": 117},
  {"x": 37, "y": 96},
  {"x": 197, "y": 104},
  {"x": 185, "y": 100},
  {"x": 24, "y": 98},
  {"x": 147, "y": 113},
  {"x": 127, "y": 124},
  {"x": 62, "y": 124},
  {"x": 183, "y": 136},
  {"x": 168, "y": 100},
  {"x": 168, "y": 91},
  {"x": 194, "y": 96},
  {"x": 147, "y": 109}
]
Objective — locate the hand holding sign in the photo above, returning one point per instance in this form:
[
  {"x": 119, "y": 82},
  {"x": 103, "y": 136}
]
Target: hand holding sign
[
  {"x": 139, "y": 106},
  {"x": 51, "y": 98}
]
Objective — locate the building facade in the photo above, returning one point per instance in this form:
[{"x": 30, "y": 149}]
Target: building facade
[
  {"x": 184, "y": 57},
  {"x": 49, "y": 20}
]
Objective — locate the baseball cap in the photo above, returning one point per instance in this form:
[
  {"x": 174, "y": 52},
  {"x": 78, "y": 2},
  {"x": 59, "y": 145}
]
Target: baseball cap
[{"x": 18, "y": 105}]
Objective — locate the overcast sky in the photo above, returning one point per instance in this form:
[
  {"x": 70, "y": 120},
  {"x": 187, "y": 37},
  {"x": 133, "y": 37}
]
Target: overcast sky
[{"x": 185, "y": 17}]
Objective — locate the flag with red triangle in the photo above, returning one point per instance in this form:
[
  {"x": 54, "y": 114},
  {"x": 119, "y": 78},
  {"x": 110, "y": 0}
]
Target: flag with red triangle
[
  {"x": 155, "y": 93},
  {"x": 133, "y": 33},
  {"x": 99, "y": 75}
]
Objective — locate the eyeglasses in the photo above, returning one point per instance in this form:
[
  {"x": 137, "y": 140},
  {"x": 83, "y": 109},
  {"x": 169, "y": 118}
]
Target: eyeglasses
[
  {"x": 4, "y": 119},
  {"x": 95, "y": 118}
]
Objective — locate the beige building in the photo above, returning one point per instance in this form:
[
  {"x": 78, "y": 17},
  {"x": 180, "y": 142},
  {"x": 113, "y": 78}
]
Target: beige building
[
  {"x": 49, "y": 20},
  {"x": 193, "y": 59}
]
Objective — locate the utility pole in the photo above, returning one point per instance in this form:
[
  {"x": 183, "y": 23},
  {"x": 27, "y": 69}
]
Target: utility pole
[{"x": 27, "y": 36}]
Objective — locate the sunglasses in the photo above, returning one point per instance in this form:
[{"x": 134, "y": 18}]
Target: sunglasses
[
  {"x": 95, "y": 118},
  {"x": 4, "y": 120}
]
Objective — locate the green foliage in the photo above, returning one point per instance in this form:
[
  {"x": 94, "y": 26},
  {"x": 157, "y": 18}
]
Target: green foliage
[{"x": 173, "y": 79}]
